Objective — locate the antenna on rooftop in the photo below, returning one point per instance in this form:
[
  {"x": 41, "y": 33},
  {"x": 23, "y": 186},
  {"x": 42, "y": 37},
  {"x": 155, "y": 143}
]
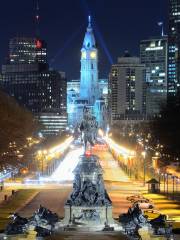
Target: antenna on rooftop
[
  {"x": 37, "y": 18},
  {"x": 161, "y": 24}
]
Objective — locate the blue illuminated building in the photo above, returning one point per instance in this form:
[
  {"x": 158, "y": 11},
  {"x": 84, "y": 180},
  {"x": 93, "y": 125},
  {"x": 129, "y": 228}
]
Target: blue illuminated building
[{"x": 89, "y": 91}]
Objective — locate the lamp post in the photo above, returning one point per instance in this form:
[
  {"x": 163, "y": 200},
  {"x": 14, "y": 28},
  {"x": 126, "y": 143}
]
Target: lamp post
[
  {"x": 168, "y": 175},
  {"x": 177, "y": 180},
  {"x": 173, "y": 177},
  {"x": 43, "y": 158},
  {"x": 167, "y": 182},
  {"x": 164, "y": 175},
  {"x": 144, "y": 167},
  {"x": 159, "y": 175}
]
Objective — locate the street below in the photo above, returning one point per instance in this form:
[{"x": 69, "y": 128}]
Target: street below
[
  {"x": 53, "y": 196},
  {"x": 53, "y": 191}
]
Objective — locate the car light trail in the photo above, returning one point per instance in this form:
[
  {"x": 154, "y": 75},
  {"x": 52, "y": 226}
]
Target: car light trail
[
  {"x": 62, "y": 147},
  {"x": 119, "y": 149},
  {"x": 56, "y": 151},
  {"x": 65, "y": 170}
]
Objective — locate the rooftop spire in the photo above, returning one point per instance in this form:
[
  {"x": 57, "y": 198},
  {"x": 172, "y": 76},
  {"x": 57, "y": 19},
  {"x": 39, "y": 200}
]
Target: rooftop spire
[
  {"x": 161, "y": 24},
  {"x": 37, "y": 17},
  {"x": 89, "y": 40}
]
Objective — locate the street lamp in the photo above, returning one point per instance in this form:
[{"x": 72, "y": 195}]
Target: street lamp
[
  {"x": 168, "y": 183},
  {"x": 144, "y": 163},
  {"x": 177, "y": 183},
  {"x": 43, "y": 157},
  {"x": 159, "y": 175},
  {"x": 173, "y": 177},
  {"x": 164, "y": 178}
]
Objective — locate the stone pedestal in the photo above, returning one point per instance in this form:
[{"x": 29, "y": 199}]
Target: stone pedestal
[
  {"x": 89, "y": 205},
  {"x": 91, "y": 216}
]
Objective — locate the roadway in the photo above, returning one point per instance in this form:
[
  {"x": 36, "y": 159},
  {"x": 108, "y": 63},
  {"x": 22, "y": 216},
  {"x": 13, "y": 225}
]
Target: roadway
[{"x": 53, "y": 196}]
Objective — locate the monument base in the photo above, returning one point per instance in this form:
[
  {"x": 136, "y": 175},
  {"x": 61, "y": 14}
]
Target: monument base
[
  {"x": 88, "y": 215},
  {"x": 88, "y": 219}
]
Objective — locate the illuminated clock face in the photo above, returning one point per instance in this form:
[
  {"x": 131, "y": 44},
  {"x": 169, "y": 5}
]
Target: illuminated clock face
[
  {"x": 93, "y": 55},
  {"x": 83, "y": 54}
]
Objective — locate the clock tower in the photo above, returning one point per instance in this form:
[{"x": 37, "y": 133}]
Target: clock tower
[{"x": 89, "y": 67}]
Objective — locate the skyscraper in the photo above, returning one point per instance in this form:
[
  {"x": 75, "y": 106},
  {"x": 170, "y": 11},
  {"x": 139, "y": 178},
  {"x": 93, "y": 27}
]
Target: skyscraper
[
  {"x": 89, "y": 67},
  {"x": 28, "y": 51},
  {"x": 153, "y": 53},
  {"x": 127, "y": 89},
  {"x": 26, "y": 77},
  {"x": 174, "y": 47}
]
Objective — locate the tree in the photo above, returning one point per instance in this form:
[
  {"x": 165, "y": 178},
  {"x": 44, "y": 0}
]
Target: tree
[
  {"x": 16, "y": 125},
  {"x": 165, "y": 129}
]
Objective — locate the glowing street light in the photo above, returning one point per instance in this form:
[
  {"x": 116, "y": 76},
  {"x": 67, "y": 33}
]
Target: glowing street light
[{"x": 144, "y": 164}]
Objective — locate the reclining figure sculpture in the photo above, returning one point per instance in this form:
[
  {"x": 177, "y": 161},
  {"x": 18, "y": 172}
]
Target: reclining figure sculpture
[{"x": 43, "y": 221}]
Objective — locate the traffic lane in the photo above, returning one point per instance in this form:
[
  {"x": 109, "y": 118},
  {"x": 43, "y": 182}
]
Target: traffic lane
[
  {"x": 112, "y": 171},
  {"x": 53, "y": 199}
]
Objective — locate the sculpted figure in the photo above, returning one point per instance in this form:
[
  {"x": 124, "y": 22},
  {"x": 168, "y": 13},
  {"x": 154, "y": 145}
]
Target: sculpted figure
[{"x": 88, "y": 128}]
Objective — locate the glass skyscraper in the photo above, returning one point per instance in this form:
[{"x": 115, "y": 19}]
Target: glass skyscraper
[{"x": 174, "y": 47}]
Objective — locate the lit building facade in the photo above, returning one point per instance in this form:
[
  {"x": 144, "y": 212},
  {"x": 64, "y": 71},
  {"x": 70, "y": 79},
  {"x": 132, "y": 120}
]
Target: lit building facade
[
  {"x": 73, "y": 88},
  {"x": 27, "y": 50},
  {"x": 53, "y": 123},
  {"x": 89, "y": 91},
  {"x": 26, "y": 77},
  {"x": 174, "y": 47},
  {"x": 127, "y": 88},
  {"x": 154, "y": 54}
]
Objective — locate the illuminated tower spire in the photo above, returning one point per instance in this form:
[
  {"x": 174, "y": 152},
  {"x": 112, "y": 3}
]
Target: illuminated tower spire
[{"x": 89, "y": 66}]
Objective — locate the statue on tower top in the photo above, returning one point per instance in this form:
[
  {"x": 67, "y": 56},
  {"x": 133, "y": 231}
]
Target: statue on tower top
[{"x": 89, "y": 20}]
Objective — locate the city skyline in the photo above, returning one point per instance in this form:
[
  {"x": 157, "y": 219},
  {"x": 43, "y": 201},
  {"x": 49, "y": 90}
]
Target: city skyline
[{"x": 64, "y": 40}]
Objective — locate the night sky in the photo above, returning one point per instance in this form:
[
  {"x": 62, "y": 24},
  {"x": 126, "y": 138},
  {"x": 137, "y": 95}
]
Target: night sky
[{"x": 119, "y": 25}]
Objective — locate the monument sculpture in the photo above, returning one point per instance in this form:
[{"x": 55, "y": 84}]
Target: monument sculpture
[
  {"x": 43, "y": 221},
  {"x": 88, "y": 128},
  {"x": 89, "y": 204}
]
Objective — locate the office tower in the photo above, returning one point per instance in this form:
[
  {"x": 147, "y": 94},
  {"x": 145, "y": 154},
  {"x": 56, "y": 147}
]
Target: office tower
[
  {"x": 127, "y": 89},
  {"x": 174, "y": 47},
  {"x": 153, "y": 53}
]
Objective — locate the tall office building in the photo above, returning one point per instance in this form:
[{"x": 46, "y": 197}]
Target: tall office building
[
  {"x": 127, "y": 90},
  {"x": 153, "y": 53},
  {"x": 174, "y": 47},
  {"x": 26, "y": 77}
]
